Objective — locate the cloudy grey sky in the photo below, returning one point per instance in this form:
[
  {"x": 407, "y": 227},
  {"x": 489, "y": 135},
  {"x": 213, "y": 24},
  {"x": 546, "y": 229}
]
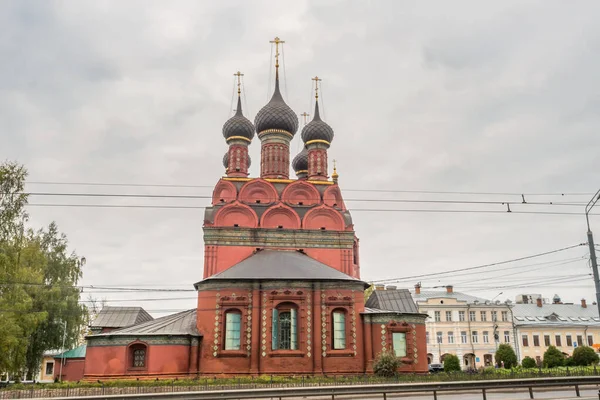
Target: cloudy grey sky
[{"x": 462, "y": 96}]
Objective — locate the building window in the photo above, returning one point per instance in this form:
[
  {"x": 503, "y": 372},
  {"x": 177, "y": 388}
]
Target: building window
[
  {"x": 138, "y": 356},
  {"x": 504, "y": 316},
  {"x": 463, "y": 337},
  {"x": 339, "y": 330},
  {"x": 427, "y": 337},
  {"x": 546, "y": 340},
  {"x": 486, "y": 337},
  {"x": 494, "y": 316},
  {"x": 285, "y": 329},
  {"x": 558, "y": 340},
  {"x": 483, "y": 315},
  {"x": 580, "y": 340},
  {"x": 399, "y": 343},
  {"x": 525, "y": 341},
  {"x": 590, "y": 340},
  {"x": 233, "y": 323},
  {"x": 449, "y": 316},
  {"x": 569, "y": 341},
  {"x": 474, "y": 337},
  {"x": 461, "y": 316},
  {"x": 439, "y": 337},
  {"x": 438, "y": 318},
  {"x": 472, "y": 316},
  {"x": 506, "y": 336},
  {"x": 450, "y": 337},
  {"x": 536, "y": 340},
  {"x": 49, "y": 368}
]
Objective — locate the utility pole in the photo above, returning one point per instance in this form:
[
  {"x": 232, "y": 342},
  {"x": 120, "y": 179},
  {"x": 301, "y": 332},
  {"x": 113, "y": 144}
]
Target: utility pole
[
  {"x": 590, "y": 238},
  {"x": 62, "y": 360}
]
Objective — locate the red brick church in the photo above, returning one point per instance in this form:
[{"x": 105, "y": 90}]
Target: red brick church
[{"x": 281, "y": 291}]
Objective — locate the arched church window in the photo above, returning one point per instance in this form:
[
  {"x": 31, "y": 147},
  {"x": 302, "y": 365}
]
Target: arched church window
[
  {"x": 138, "y": 355},
  {"x": 339, "y": 329},
  {"x": 285, "y": 328},
  {"x": 233, "y": 325}
]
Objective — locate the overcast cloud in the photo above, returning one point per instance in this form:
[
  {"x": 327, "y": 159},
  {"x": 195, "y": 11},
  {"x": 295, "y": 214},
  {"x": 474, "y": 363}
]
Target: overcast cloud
[{"x": 436, "y": 96}]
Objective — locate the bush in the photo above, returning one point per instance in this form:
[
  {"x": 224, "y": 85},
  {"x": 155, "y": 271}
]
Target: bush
[
  {"x": 584, "y": 356},
  {"x": 506, "y": 354},
  {"x": 569, "y": 362},
  {"x": 528, "y": 362},
  {"x": 451, "y": 363},
  {"x": 553, "y": 358},
  {"x": 386, "y": 364}
]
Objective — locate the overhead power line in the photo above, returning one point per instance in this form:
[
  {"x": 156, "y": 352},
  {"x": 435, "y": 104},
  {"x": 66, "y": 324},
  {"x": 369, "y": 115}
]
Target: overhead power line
[
  {"x": 346, "y": 190},
  {"x": 190, "y": 196},
  {"x": 173, "y": 207},
  {"x": 480, "y": 266}
]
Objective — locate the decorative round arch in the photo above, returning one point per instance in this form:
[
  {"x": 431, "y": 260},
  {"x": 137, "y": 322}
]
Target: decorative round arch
[
  {"x": 280, "y": 216},
  {"x": 225, "y": 192},
  {"x": 323, "y": 218},
  {"x": 258, "y": 191},
  {"x": 236, "y": 214},
  {"x": 333, "y": 197},
  {"x": 301, "y": 193}
]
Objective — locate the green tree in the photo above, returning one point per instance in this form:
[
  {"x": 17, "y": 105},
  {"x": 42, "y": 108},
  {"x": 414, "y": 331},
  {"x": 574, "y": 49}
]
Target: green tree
[
  {"x": 528, "y": 362},
  {"x": 16, "y": 266},
  {"x": 451, "y": 363},
  {"x": 584, "y": 355},
  {"x": 57, "y": 298},
  {"x": 506, "y": 354},
  {"x": 553, "y": 358},
  {"x": 38, "y": 280},
  {"x": 386, "y": 364},
  {"x": 368, "y": 291}
]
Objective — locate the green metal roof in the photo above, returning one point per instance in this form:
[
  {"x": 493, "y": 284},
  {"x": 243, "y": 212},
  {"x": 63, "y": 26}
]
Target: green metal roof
[{"x": 78, "y": 352}]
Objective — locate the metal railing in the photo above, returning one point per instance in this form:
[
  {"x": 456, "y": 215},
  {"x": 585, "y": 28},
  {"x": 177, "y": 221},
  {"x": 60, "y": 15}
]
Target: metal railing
[{"x": 207, "y": 388}]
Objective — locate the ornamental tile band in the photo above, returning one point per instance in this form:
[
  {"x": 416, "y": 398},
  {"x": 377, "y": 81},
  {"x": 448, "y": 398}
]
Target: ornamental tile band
[
  {"x": 324, "y": 325},
  {"x": 264, "y": 325},
  {"x": 309, "y": 325}
]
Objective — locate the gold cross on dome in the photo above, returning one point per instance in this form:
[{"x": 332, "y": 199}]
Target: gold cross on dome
[
  {"x": 317, "y": 80},
  {"x": 277, "y": 41},
  {"x": 239, "y": 79},
  {"x": 305, "y": 115}
]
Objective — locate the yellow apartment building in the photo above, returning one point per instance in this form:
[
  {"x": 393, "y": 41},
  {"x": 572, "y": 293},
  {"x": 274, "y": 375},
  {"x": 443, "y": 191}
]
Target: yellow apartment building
[
  {"x": 467, "y": 326},
  {"x": 540, "y": 324}
]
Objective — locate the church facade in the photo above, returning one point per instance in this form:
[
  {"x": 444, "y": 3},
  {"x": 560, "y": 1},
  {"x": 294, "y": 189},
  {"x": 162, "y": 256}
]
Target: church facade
[{"x": 281, "y": 291}]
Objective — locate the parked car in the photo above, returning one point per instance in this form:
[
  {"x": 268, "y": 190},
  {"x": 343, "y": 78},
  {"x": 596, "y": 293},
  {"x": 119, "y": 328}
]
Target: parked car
[{"x": 433, "y": 368}]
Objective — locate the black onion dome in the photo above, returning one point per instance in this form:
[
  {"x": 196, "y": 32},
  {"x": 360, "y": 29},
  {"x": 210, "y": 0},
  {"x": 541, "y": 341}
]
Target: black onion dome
[
  {"x": 317, "y": 129},
  {"x": 276, "y": 114},
  {"x": 238, "y": 125},
  {"x": 300, "y": 162},
  {"x": 226, "y": 160}
]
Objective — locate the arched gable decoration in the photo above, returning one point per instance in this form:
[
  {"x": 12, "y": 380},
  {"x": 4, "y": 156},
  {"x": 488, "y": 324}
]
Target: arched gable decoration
[
  {"x": 333, "y": 197},
  {"x": 280, "y": 216},
  {"x": 301, "y": 192},
  {"x": 323, "y": 217},
  {"x": 236, "y": 214},
  {"x": 225, "y": 192},
  {"x": 258, "y": 191}
]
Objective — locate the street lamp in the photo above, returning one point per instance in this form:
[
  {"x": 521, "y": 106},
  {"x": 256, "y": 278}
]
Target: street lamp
[
  {"x": 588, "y": 208},
  {"x": 496, "y": 296}
]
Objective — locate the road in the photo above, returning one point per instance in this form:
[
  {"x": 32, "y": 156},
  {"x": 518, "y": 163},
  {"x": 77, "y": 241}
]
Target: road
[{"x": 586, "y": 394}]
